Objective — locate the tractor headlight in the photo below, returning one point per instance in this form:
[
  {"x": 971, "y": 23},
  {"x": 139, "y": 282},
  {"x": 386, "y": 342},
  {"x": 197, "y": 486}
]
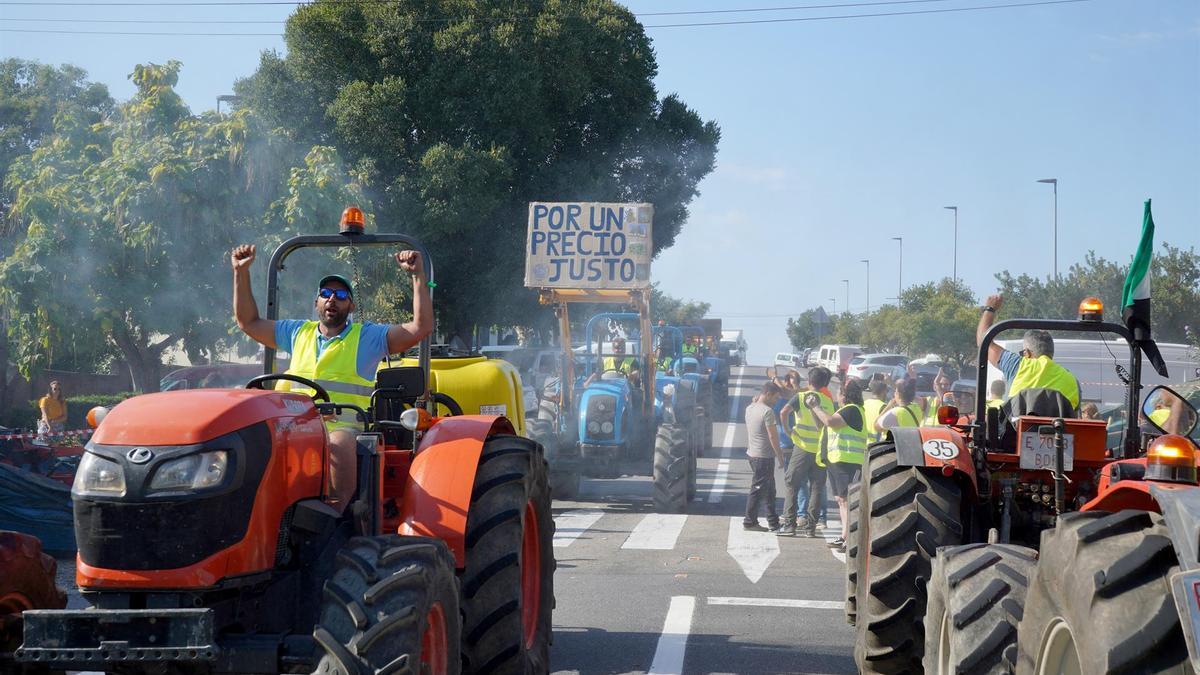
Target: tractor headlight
[
  {"x": 193, "y": 472},
  {"x": 99, "y": 476},
  {"x": 607, "y": 427},
  {"x": 593, "y": 427}
]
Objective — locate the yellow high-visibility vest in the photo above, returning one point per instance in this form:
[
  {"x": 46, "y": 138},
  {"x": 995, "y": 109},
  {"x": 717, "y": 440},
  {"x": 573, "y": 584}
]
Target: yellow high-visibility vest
[
  {"x": 806, "y": 433},
  {"x": 336, "y": 370},
  {"x": 846, "y": 445},
  {"x": 1043, "y": 373},
  {"x": 872, "y": 407}
]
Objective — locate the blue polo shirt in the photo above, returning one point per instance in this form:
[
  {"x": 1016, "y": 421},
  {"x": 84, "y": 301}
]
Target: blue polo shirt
[{"x": 372, "y": 343}]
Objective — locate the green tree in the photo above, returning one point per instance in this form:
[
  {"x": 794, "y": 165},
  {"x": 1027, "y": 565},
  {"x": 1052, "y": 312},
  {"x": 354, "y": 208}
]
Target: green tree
[
  {"x": 804, "y": 331},
  {"x": 675, "y": 311},
  {"x": 127, "y": 225},
  {"x": 463, "y": 112}
]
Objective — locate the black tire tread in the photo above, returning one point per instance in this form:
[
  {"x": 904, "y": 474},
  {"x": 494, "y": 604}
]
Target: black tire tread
[
  {"x": 982, "y": 588},
  {"x": 375, "y": 605},
  {"x": 672, "y": 467},
  {"x": 512, "y": 472},
  {"x": 910, "y": 512},
  {"x": 1107, "y": 576}
]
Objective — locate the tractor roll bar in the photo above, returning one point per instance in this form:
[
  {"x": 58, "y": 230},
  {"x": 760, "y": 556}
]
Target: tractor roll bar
[
  {"x": 337, "y": 241},
  {"x": 1130, "y": 439}
]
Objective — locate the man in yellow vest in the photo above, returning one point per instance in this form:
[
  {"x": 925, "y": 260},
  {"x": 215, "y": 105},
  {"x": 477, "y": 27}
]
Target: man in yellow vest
[
  {"x": 996, "y": 394},
  {"x": 873, "y": 407},
  {"x": 1034, "y": 367},
  {"x": 340, "y": 355},
  {"x": 847, "y": 445},
  {"x": 901, "y": 411},
  {"x": 805, "y": 469},
  {"x": 618, "y": 361}
]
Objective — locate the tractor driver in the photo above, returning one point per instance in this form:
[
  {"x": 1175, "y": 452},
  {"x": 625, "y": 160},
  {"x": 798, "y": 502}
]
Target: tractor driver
[
  {"x": 1034, "y": 367},
  {"x": 619, "y": 361},
  {"x": 340, "y": 355}
]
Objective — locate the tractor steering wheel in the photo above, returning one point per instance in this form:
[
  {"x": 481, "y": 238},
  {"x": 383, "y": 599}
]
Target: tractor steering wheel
[{"x": 319, "y": 395}]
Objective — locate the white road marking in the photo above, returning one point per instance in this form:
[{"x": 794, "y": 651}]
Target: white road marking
[
  {"x": 753, "y": 551},
  {"x": 569, "y": 525},
  {"x": 657, "y": 531},
  {"x": 672, "y": 644},
  {"x": 777, "y": 602},
  {"x": 718, "y": 486}
]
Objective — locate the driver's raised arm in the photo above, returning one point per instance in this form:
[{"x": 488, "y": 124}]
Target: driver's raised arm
[
  {"x": 986, "y": 318},
  {"x": 245, "y": 310},
  {"x": 402, "y": 336}
]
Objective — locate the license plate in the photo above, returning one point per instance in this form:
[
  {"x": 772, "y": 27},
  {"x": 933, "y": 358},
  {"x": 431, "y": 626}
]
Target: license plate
[
  {"x": 1037, "y": 451},
  {"x": 1185, "y": 586}
]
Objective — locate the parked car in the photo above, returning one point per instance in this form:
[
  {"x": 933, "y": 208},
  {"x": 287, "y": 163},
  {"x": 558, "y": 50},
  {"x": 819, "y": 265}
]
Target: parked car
[
  {"x": 837, "y": 357},
  {"x": 789, "y": 360},
  {"x": 865, "y": 366}
]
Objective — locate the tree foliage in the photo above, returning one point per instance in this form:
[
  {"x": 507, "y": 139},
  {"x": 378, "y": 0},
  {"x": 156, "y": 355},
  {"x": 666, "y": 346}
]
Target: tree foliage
[
  {"x": 463, "y": 112},
  {"x": 128, "y": 223},
  {"x": 941, "y": 317},
  {"x": 675, "y": 311}
]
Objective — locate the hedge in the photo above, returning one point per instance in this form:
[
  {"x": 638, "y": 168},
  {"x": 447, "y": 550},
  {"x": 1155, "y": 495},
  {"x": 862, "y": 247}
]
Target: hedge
[{"x": 25, "y": 419}]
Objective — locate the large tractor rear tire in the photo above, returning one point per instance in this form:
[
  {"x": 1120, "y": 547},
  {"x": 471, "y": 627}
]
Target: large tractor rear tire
[
  {"x": 508, "y": 583},
  {"x": 26, "y": 582},
  {"x": 673, "y": 461},
  {"x": 564, "y": 483},
  {"x": 852, "y": 530},
  {"x": 975, "y": 598},
  {"x": 391, "y": 606},
  {"x": 1100, "y": 600},
  {"x": 905, "y": 514}
]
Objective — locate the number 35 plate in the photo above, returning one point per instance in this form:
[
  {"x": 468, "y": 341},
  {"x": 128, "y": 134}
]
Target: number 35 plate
[{"x": 1037, "y": 451}]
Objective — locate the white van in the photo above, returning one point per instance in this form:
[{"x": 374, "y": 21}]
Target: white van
[
  {"x": 1094, "y": 364},
  {"x": 788, "y": 360},
  {"x": 837, "y": 357}
]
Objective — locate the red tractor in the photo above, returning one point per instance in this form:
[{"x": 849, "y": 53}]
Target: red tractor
[
  {"x": 207, "y": 543},
  {"x": 1013, "y": 540}
]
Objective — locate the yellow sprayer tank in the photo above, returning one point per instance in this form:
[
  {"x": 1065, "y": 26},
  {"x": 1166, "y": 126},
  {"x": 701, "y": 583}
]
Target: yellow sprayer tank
[{"x": 482, "y": 386}]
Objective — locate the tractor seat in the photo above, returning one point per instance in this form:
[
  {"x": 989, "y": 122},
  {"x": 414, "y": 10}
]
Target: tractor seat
[
  {"x": 396, "y": 389},
  {"x": 1037, "y": 402}
]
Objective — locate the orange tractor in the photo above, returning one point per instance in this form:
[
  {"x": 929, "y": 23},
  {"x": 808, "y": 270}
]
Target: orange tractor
[
  {"x": 1013, "y": 540},
  {"x": 207, "y": 543}
]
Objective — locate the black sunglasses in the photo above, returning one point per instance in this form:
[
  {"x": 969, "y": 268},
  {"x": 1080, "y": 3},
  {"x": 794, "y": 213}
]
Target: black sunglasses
[{"x": 339, "y": 293}]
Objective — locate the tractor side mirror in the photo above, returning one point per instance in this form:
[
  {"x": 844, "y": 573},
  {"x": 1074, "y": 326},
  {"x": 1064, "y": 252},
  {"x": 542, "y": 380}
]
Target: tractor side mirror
[{"x": 1169, "y": 412}]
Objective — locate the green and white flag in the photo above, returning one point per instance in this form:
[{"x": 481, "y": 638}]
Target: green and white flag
[{"x": 1135, "y": 300}]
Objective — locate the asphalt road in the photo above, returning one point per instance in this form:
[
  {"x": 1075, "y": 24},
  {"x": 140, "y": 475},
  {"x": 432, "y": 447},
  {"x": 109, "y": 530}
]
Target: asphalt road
[{"x": 639, "y": 592}]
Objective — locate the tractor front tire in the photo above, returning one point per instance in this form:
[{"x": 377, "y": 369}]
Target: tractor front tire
[
  {"x": 26, "y": 582},
  {"x": 673, "y": 461},
  {"x": 391, "y": 606},
  {"x": 564, "y": 484},
  {"x": 905, "y": 514},
  {"x": 975, "y": 598},
  {"x": 1100, "y": 599},
  {"x": 508, "y": 583}
]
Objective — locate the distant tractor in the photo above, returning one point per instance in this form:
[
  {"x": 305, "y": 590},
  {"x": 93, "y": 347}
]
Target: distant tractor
[
  {"x": 207, "y": 542},
  {"x": 650, "y": 424},
  {"x": 1009, "y": 540}
]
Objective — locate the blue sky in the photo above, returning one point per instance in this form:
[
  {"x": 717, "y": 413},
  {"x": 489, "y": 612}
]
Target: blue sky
[{"x": 839, "y": 135}]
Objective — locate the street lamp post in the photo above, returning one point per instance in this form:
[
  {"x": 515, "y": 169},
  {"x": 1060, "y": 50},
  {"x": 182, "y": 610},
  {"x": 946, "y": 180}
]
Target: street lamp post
[
  {"x": 868, "y": 262},
  {"x": 834, "y": 301},
  {"x": 1054, "y": 182},
  {"x": 847, "y": 282},
  {"x": 955, "y": 210},
  {"x": 900, "y": 274}
]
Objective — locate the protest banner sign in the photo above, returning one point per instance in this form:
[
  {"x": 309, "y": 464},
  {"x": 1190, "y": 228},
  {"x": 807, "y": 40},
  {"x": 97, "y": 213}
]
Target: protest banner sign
[{"x": 588, "y": 245}]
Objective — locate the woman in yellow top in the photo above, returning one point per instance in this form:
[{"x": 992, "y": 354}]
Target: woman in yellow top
[{"x": 54, "y": 410}]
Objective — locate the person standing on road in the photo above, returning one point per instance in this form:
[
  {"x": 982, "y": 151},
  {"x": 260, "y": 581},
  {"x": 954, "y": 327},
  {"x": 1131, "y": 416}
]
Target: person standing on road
[
  {"x": 941, "y": 387},
  {"x": 847, "y": 443},
  {"x": 805, "y": 470},
  {"x": 764, "y": 453},
  {"x": 996, "y": 394}
]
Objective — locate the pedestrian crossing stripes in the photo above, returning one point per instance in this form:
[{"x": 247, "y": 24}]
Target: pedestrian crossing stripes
[
  {"x": 568, "y": 526},
  {"x": 657, "y": 531}
]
